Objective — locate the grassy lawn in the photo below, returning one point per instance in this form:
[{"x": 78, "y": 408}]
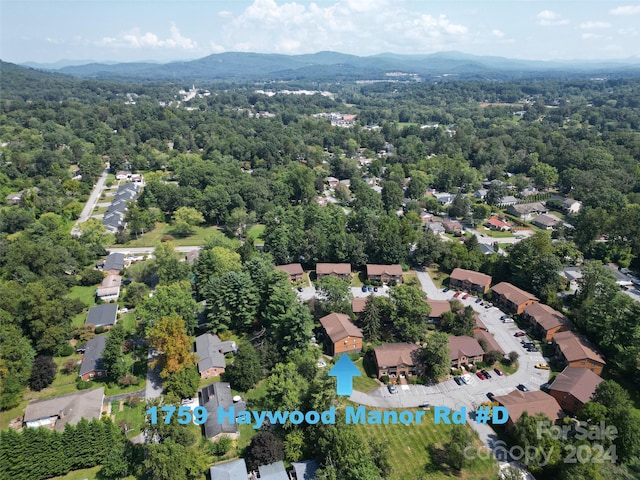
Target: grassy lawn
[
  {"x": 62, "y": 384},
  {"x": 87, "y": 473},
  {"x": 494, "y": 233},
  {"x": 208, "y": 381},
  {"x": 128, "y": 322},
  {"x": 364, "y": 383},
  {"x": 8, "y": 415},
  {"x": 415, "y": 450},
  {"x": 154, "y": 236},
  {"x": 88, "y": 296},
  {"x": 256, "y": 232},
  {"x": 356, "y": 281},
  {"x": 506, "y": 369},
  {"x": 99, "y": 210},
  {"x": 439, "y": 278},
  {"x": 410, "y": 278},
  {"x": 134, "y": 416}
]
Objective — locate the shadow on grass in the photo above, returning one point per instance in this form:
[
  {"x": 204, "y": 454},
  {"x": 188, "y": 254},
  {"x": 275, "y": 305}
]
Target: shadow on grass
[{"x": 437, "y": 462}]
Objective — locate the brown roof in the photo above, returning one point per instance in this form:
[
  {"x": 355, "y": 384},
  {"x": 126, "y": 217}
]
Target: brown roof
[
  {"x": 291, "y": 268},
  {"x": 393, "y": 354},
  {"x": 337, "y": 268},
  {"x": 339, "y": 326},
  {"x": 576, "y": 347},
  {"x": 438, "y": 307},
  {"x": 358, "y": 304},
  {"x": 513, "y": 293},
  {"x": 479, "y": 324},
  {"x": 384, "y": 269},
  {"x": 546, "y": 316},
  {"x": 463, "y": 346},
  {"x": 579, "y": 382},
  {"x": 476, "y": 278},
  {"x": 533, "y": 402},
  {"x": 492, "y": 344},
  {"x": 111, "y": 281}
]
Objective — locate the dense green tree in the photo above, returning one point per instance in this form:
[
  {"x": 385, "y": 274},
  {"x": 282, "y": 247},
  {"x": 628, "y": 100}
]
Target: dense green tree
[
  {"x": 184, "y": 384},
  {"x": 232, "y": 302},
  {"x": 265, "y": 448},
  {"x": 245, "y": 371},
  {"x": 334, "y": 295},
  {"x": 167, "y": 264},
  {"x": 43, "y": 372},
  {"x": 113, "y": 354},
  {"x": 185, "y": 219},
  {"x": 410, "y": 313},
  {"x": 435, "y": 356},
  {"x": 167, "y": 300}
]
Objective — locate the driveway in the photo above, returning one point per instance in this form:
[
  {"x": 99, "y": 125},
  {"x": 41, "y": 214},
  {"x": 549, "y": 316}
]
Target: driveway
[
  {"x": 154, "y": 382},
  {"x": 93, "y": 198}
]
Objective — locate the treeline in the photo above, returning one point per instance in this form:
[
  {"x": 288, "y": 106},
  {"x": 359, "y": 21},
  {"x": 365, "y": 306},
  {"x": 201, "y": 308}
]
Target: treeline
[{"x": 39, "y": 453}]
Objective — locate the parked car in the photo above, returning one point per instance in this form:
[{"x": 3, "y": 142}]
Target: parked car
[
  {"x": 486, "y": 374},
  {"x": 506, "y": 319},
  {"x": 465, "y": 296},
  {"x": 490, "y": 396},
  {"x": 542, "y": 366},
  {"x": 458, "y": 380},
  {"x": 364, "y": 288},
  {"x": 521, "y": 387},
  {"x": 446, "y": 289},
  {"x": 519, "y": 334},
  {"x": 488, "y": 305},
  {"x": 479, "y": 300},
  {"x": 457, "y": 294},
  {"x": 186, "y": 401},
  {"x": 300, "y": 289},
  {"x": 392, "y": 389},
  {"x": 498, "y": 371},
  {"x": 480, "y": 375}
]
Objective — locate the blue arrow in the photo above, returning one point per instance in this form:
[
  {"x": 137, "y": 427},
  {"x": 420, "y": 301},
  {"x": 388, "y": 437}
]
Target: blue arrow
[{"x": 344, "y": 370}]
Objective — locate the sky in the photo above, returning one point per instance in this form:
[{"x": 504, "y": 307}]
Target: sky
[{"x": 166, "y": 30}]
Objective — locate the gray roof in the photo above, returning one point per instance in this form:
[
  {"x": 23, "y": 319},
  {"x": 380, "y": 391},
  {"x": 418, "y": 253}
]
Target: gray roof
[
  {"x": 114, "y": 261},
  {"x": 213, "y": 396},
  {"x": 273, "y": 471},
  {"x": 74, "y": 406},
  {"x": 211, "y": 350},
  {"x": 92, "y": 358},
  {"x": 102, "y": 315},
  {"x": 305, "y": 470},
  {"x": 235, "y": 470},
  {"x": 487, "y": 249}
]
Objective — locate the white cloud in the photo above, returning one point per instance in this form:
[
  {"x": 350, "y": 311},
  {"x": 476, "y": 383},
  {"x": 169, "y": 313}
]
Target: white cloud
[
  {"x": 591, "y": 36},
  {"x": 628, "y": 32},
  {"x": 225, "y": 14},
  {"x": 548, "y": 18},
  {"x": 591, "y": 25},
  {"x": 625, "y": 10},
  {"x": 54, "y": 41},
  {"x": 497, "y": 33},
  {"x": 136, "y": 39},
  {"x": 372, "y": 26}
]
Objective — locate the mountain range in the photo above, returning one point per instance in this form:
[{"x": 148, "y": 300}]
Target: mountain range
[{"x": 333, "y": 66}]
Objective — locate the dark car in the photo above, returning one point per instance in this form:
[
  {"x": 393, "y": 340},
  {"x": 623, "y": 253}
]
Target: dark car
[
  {"x": 300, "y": 289},
  {"x": 486, "y": 374},
  {"x": 480, "y": 376},
  {"x": 364, "y": 288},
  {"x": 478, "y": 300},
  {"x": 458, "y": 380},
  {"x": 392, "y": 389},
  {"x": 126, "y": 281},
  {"x": 490, "y": 396},
  {"x": 522, "y": 388},
  {"x": 498, "y": 371},
  {"x": 519, "y": 334},
  {"x": 446, "y": 289}
]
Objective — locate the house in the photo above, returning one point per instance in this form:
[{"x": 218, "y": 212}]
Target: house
[
  {"x": 470, "y": 281},
  {"x": 546, "y": 321},
  {"x": 464, "y": 350},
  {"x": 358, "y": 304},
  {"x": 273, "y": 471},
  {"x": 444, "y": 198},
  {"x": 571, "y": 206},
  {"x": 234, "y": 470},
  {"x": 332, "y": 181},
  {"x": 342, "y": 336},
  {"x": 92, "y": 363},
  {"x": 487, "y": 249},
  {"x": 481, "y": 193},
  {"x": 294, "y": 270},
  {"x": 105, "y": 315},
  {"x": 488, "y": 340},
  {"x": 304, "y": 470},
  {"x": 525, "y": 192},
  {"x": 511, "y": 298},
  {"x": 340, "y": 270},
  {"x": 192, "y": 256},
  {"x": 110, "y": 288},
  {"x": 573, "y": 387},
  {"x": 384, "y": 273},
  {"x": 14, "y": 198},
  {"x": 211, "y": 397},
  {"x": 397, "y": 360},
  {"x": 507, "y": 201},
  {"x": 545, "y": 221},
  {"x": 438, "y": 307},
  {"x": 114, "y": 263},
  {"x": 58, "y": 411},
  {"x": 573, "y": 274},
  {"x": 533, "y": 402},
  {"x": 437, "y": 228},
  {"x": 526, "y": 211},
  {"x": 123, "y": 175},
  {"x": 495, "y": 224},
  {"x": 452, "y": 226},
  {"x": 478, "y": 325},
  {"x": 576, "y": 351},
  {"x": 211, "y": 350}
]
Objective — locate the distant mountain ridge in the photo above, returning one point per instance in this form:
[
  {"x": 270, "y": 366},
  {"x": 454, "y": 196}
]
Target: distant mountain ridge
[{"x": 327, "y": 66}]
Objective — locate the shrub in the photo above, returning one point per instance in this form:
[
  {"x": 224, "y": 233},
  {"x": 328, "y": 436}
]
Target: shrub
[
  {"x": 384, "y": 379},
  {"x": 81, "y": 384},
  {"x": 167, "y": 238},
  {"x": 66, "y": 350},
  {"x": 221, "y": 447},
  {"x": 70, "y": 366},
  {"x": 99, "y": 330}
]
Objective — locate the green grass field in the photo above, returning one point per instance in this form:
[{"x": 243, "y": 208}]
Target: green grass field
[
  {"x": 132, "y": 416},
  {"x": 257, "y": 232},
  {"x": 154, "y": 237},
  {"x": 439, "y": 278},
  {"x": 494, "y": 233},
  {"x": 363, "y": 383},
  {"x": 414, "y": 451},
  {"x": 88, "y": 296}
]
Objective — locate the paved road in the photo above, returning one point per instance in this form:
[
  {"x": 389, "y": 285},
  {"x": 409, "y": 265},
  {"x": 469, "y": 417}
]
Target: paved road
[
  {"x": 308, "y": 293},
  {"x": 154, "y": 383},
  {"x": 93, "y": 199}
]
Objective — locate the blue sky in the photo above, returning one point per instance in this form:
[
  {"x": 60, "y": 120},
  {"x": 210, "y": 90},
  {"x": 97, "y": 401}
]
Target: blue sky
[{"x": 165, "y": 30}]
